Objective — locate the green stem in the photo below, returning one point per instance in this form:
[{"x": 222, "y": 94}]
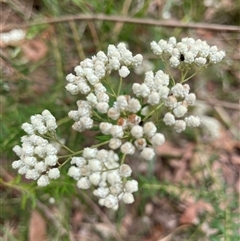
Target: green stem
[
  {"x": 123, "y": 158},
  {"x": 96, "y": 114},
  {"x": 154, "y": 110},
  {"x": 61, "y": 144},
  {"x": 61, "y": 165},
  {"x": 120, "y": 86}
]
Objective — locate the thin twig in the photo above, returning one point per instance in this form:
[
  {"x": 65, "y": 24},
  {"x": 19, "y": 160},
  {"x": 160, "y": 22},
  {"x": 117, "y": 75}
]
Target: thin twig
[
  {"x": 225, "y": 104},
  {"x": 115, "y": 18}
]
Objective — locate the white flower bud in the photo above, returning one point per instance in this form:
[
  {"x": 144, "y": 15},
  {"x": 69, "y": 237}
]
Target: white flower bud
[
  {"x": 94, "y": 165},
  {"x": 158, "y": 139},
  {"x": 144, "y": 90},
  {"x": 115, "y": 143},
  {"x": 149, "y": 129},
  {"x": 122, "y": 102},
  {"x": 105, "y": 127},
  {"x": 43, "y": 181},
  {"x": 113, "y": 113},
  {"x": 89, "y": 153},
  {"x": 102, "y": 155},
  {"x": 78, "y": 126},
  {"x": 99, "y": 88},
  {"x": 131, "y": 186},
  {"x": 178, "y": 90},
  {"x": 30, "y": 160},
  {"x": 23, "y": 170},
  {"x": 51, "y": 160},
  {"x": 156, "y": 48},
  {"x": 179, "y": 126},
  {"x": 174, "y": 61},
  {"x": 169, "y": 119},
  {"x": 137, "y": 131},
  {"x": 117, "y": 131},
  {"x": 136, "y": 87},
  {"x": 128, "y": 198},
  {"x": 128, "y": 148},
  {"x": 17, "y": 164},
  {"x": 170, "y": 102},
  {"x": 70, "y": 78},
  {"x": 86, "y": 122},
  {"x": 140, "y": 143},
  {"x": 188, "y": 57},
  {"x": 72, "y": 88},
  {"x": 134, "y": 105},
  {"x": 161, "y": 79},
  {"x": 192, "y": 121},
  {"x": 147, "y": 153},
  {"x": 200, "y": 61},
  {"x": 95, "y": 178},
  {"x": 41, "y": 166},
  {"x": 113, "y": 177},
  {"x": 137, "y": 60},
  {"x": 54, "y": 173},
  {"x": 180, "y": 111},
  {"x": 124, "y": 71},
  {"x": 18, "y": 150},
  {"x": 102, "y": 107},
  {"x": 125, "y": 170},
  {"x": 28, "y": 128},
  {"x": 83, "y": 183},
  {"x": 190, "y": 98},
  {"x": 92, "y": 99},
  {"x": 83, "y": 87},
  {"x": 32, "y": 174},
  {"x": 163, "y": 92},
  {"x": 101, "y": 192},
  {"x": 145, "y": 111},
  {"x": 78, "y": 161},
  {"x": 74, "y": 172},
  {"x": 102, "y": 97},
  {"x": 153, "y": 98},
  {"x": 110, "y": 201},
  {"x": 92, "y": 79}
]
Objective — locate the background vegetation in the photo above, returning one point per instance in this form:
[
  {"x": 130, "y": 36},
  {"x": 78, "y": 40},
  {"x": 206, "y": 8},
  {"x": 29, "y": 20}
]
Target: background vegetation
[{"x": 190, "y": 192}]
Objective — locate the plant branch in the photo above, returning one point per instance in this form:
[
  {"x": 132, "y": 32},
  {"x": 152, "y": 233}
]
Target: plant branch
[{"x": 121, "y": 19}]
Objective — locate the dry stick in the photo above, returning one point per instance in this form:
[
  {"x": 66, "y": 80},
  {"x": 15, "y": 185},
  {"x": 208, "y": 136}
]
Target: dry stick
[
  {"x": 102, "y": 215},
  {"x": 77, "y": 40},
  {"x": 118, "y": 27},
  {"x": 93, "y": 33},
  {"x": 216, "y": 102},
  {"x": 115, "y": 18}
]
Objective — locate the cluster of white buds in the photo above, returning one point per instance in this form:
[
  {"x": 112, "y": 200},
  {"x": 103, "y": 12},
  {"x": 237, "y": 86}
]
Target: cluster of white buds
[
  {"x": 187, "y": 51},
  {"x": 177, "y": 103},
  {"x": 88, "y": 78},
  {"x": 38, "y": 157},
  {"x": 126, "y": 123},
  {"x": 101, "y": 169}
]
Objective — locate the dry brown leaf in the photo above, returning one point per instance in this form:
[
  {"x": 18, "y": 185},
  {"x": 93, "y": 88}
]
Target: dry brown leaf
[
  {"x": 167, "y": 149},
  {"x": 190, "y": 215},
  {"x": 34, "y": 50},
  {"x": 37, "y": 227}
]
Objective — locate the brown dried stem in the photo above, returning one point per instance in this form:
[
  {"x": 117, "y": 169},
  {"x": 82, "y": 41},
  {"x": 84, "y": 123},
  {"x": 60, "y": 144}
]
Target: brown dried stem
[{"x": 115, "y": 18}]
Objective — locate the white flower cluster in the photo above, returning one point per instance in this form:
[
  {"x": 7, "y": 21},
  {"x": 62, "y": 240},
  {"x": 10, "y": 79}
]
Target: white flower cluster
[
  {"x": 188, "y": 51},
  {"x": 38, "y": 157},
  {"x": 177, "y": 102},
  {"x": 140, "y": 135},
  {"x": 88, "y": 78},
  {"x": 101, "y": 168},
  {"x": 127, "y": 123}
]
